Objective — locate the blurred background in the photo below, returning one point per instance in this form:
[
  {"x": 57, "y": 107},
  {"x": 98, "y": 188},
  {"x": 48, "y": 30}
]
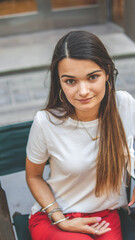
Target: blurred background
[{"x": 29, "y": 30}]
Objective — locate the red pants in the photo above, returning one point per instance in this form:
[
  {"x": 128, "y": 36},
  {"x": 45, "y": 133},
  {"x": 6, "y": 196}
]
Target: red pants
[{"x": 41, "y": 229}]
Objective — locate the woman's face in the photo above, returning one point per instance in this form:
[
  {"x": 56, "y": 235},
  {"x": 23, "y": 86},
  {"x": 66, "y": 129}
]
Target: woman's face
[{"x": 84, "y": 84}]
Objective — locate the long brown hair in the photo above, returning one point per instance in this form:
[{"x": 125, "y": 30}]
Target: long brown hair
[{"x": 113, "y": 153}]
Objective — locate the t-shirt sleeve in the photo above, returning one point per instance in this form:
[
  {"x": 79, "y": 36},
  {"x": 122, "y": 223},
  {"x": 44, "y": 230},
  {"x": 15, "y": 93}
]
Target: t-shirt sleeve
[
  {"x": 131, "y": 138},
  {"x": 37, "y": 146},
  {"x": 131, "y": 167},
  {"x": 131, "y": 106},
  {"x": 126, "y": 106}
]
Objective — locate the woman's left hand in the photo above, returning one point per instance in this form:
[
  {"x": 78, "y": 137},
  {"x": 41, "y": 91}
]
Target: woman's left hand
[{"x": 133, "y": 199}]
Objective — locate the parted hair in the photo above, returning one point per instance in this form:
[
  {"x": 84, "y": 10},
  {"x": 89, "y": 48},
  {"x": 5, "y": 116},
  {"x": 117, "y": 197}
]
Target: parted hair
[{"x": 113, "y": 154}]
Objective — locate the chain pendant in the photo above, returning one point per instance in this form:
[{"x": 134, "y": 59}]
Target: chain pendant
[
  {"x": 95, "y": 138},
  {"x": 92, "y": 138}
]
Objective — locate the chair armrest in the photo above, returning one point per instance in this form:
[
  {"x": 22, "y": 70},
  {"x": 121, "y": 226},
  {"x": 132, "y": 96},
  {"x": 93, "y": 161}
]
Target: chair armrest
[{"x": 6, "y": 228}]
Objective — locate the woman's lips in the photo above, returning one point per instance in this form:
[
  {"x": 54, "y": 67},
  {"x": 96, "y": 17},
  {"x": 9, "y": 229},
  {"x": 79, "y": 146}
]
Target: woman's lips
[{"x": 85, "y": 100}]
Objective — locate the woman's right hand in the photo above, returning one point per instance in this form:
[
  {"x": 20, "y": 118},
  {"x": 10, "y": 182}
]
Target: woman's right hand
[{"x": 92, "y": 225}]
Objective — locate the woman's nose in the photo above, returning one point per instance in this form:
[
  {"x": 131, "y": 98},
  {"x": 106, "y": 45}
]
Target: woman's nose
[{"x": 83, "y": 89}]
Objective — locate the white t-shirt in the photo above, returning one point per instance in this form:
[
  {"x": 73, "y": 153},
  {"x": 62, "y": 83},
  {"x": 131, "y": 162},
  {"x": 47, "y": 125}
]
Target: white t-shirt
[{"x": 72, "y": 158}]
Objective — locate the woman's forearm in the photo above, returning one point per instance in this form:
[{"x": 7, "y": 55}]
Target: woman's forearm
[
  {"x": 43, "y": 195},
  {"x": 40, "y": 189}
]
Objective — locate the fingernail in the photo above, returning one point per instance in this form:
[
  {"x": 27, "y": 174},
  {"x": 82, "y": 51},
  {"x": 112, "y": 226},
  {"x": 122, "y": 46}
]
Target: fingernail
[
  {"x": 129, "y": 204},
  {"x": 99, "y": 219}
]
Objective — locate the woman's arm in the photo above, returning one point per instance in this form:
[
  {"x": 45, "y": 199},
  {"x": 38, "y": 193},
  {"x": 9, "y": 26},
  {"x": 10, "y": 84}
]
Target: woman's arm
[
  {"x": 44, "y": 196},
  {"x": 38, "y": 186}
]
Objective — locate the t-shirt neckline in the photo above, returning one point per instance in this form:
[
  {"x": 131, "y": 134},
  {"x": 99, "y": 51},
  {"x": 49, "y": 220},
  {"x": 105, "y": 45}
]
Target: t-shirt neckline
[{"x": 93, "y": 123}]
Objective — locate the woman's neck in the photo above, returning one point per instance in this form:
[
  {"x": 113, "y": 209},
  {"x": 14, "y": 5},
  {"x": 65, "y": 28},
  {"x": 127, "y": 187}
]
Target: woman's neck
[{"x": 84, "y": 116}]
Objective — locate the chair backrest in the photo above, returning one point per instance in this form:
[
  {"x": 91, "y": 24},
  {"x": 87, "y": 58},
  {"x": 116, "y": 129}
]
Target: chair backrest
[{"x": 13, "y": 140}]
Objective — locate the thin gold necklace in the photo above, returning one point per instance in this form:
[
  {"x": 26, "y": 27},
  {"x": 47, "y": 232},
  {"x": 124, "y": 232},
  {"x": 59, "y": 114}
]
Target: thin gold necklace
[{"x": 92, "y": 138}]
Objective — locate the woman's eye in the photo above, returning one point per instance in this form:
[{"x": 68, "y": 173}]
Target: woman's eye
[
  {"x": 70, "y": 81},
  {"x": 93, "y": 77}
]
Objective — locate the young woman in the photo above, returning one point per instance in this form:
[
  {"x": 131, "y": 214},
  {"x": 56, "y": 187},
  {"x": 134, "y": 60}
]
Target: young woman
[{"x": 86, "y": 131}]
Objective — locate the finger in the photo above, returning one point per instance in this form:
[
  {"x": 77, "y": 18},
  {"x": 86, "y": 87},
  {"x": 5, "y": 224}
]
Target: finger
[
  {"x": 100, "y": 232},
  {"x": 90, "y": 230},
  {"x": 132, "y": 201},
  {"x": 91, "y": 220},
  {"x": 103, "y": 224},
  {"x": 100, "y": 225},
  {"x": 94, "y": 225},
  {"x": 103, "y": 227}
]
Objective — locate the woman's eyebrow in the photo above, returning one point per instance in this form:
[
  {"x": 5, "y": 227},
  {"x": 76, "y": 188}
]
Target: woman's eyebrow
[
  {"x": 94, "y": 72},
  {"x": 67, "y": 76}
]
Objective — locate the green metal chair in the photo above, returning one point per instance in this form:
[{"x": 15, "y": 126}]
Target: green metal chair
[{"x": 13, "y": 140}]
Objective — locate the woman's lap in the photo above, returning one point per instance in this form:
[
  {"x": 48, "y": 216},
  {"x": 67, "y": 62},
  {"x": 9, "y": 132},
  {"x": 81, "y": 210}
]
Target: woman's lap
[{"x": 41, "y": 229}]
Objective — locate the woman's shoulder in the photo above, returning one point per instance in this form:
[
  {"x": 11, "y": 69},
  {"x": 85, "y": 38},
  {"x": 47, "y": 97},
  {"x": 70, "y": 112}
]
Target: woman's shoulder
[
  {"x": 44, "y": 117},
  {"x": 123, "y": 98},
  {"x": 40, "y": 116},
  {"x": 123, "y": 95}
]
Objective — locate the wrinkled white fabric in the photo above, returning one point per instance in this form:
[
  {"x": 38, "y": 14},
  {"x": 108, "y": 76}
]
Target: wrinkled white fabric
[{"x": 72, "y": 158}]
